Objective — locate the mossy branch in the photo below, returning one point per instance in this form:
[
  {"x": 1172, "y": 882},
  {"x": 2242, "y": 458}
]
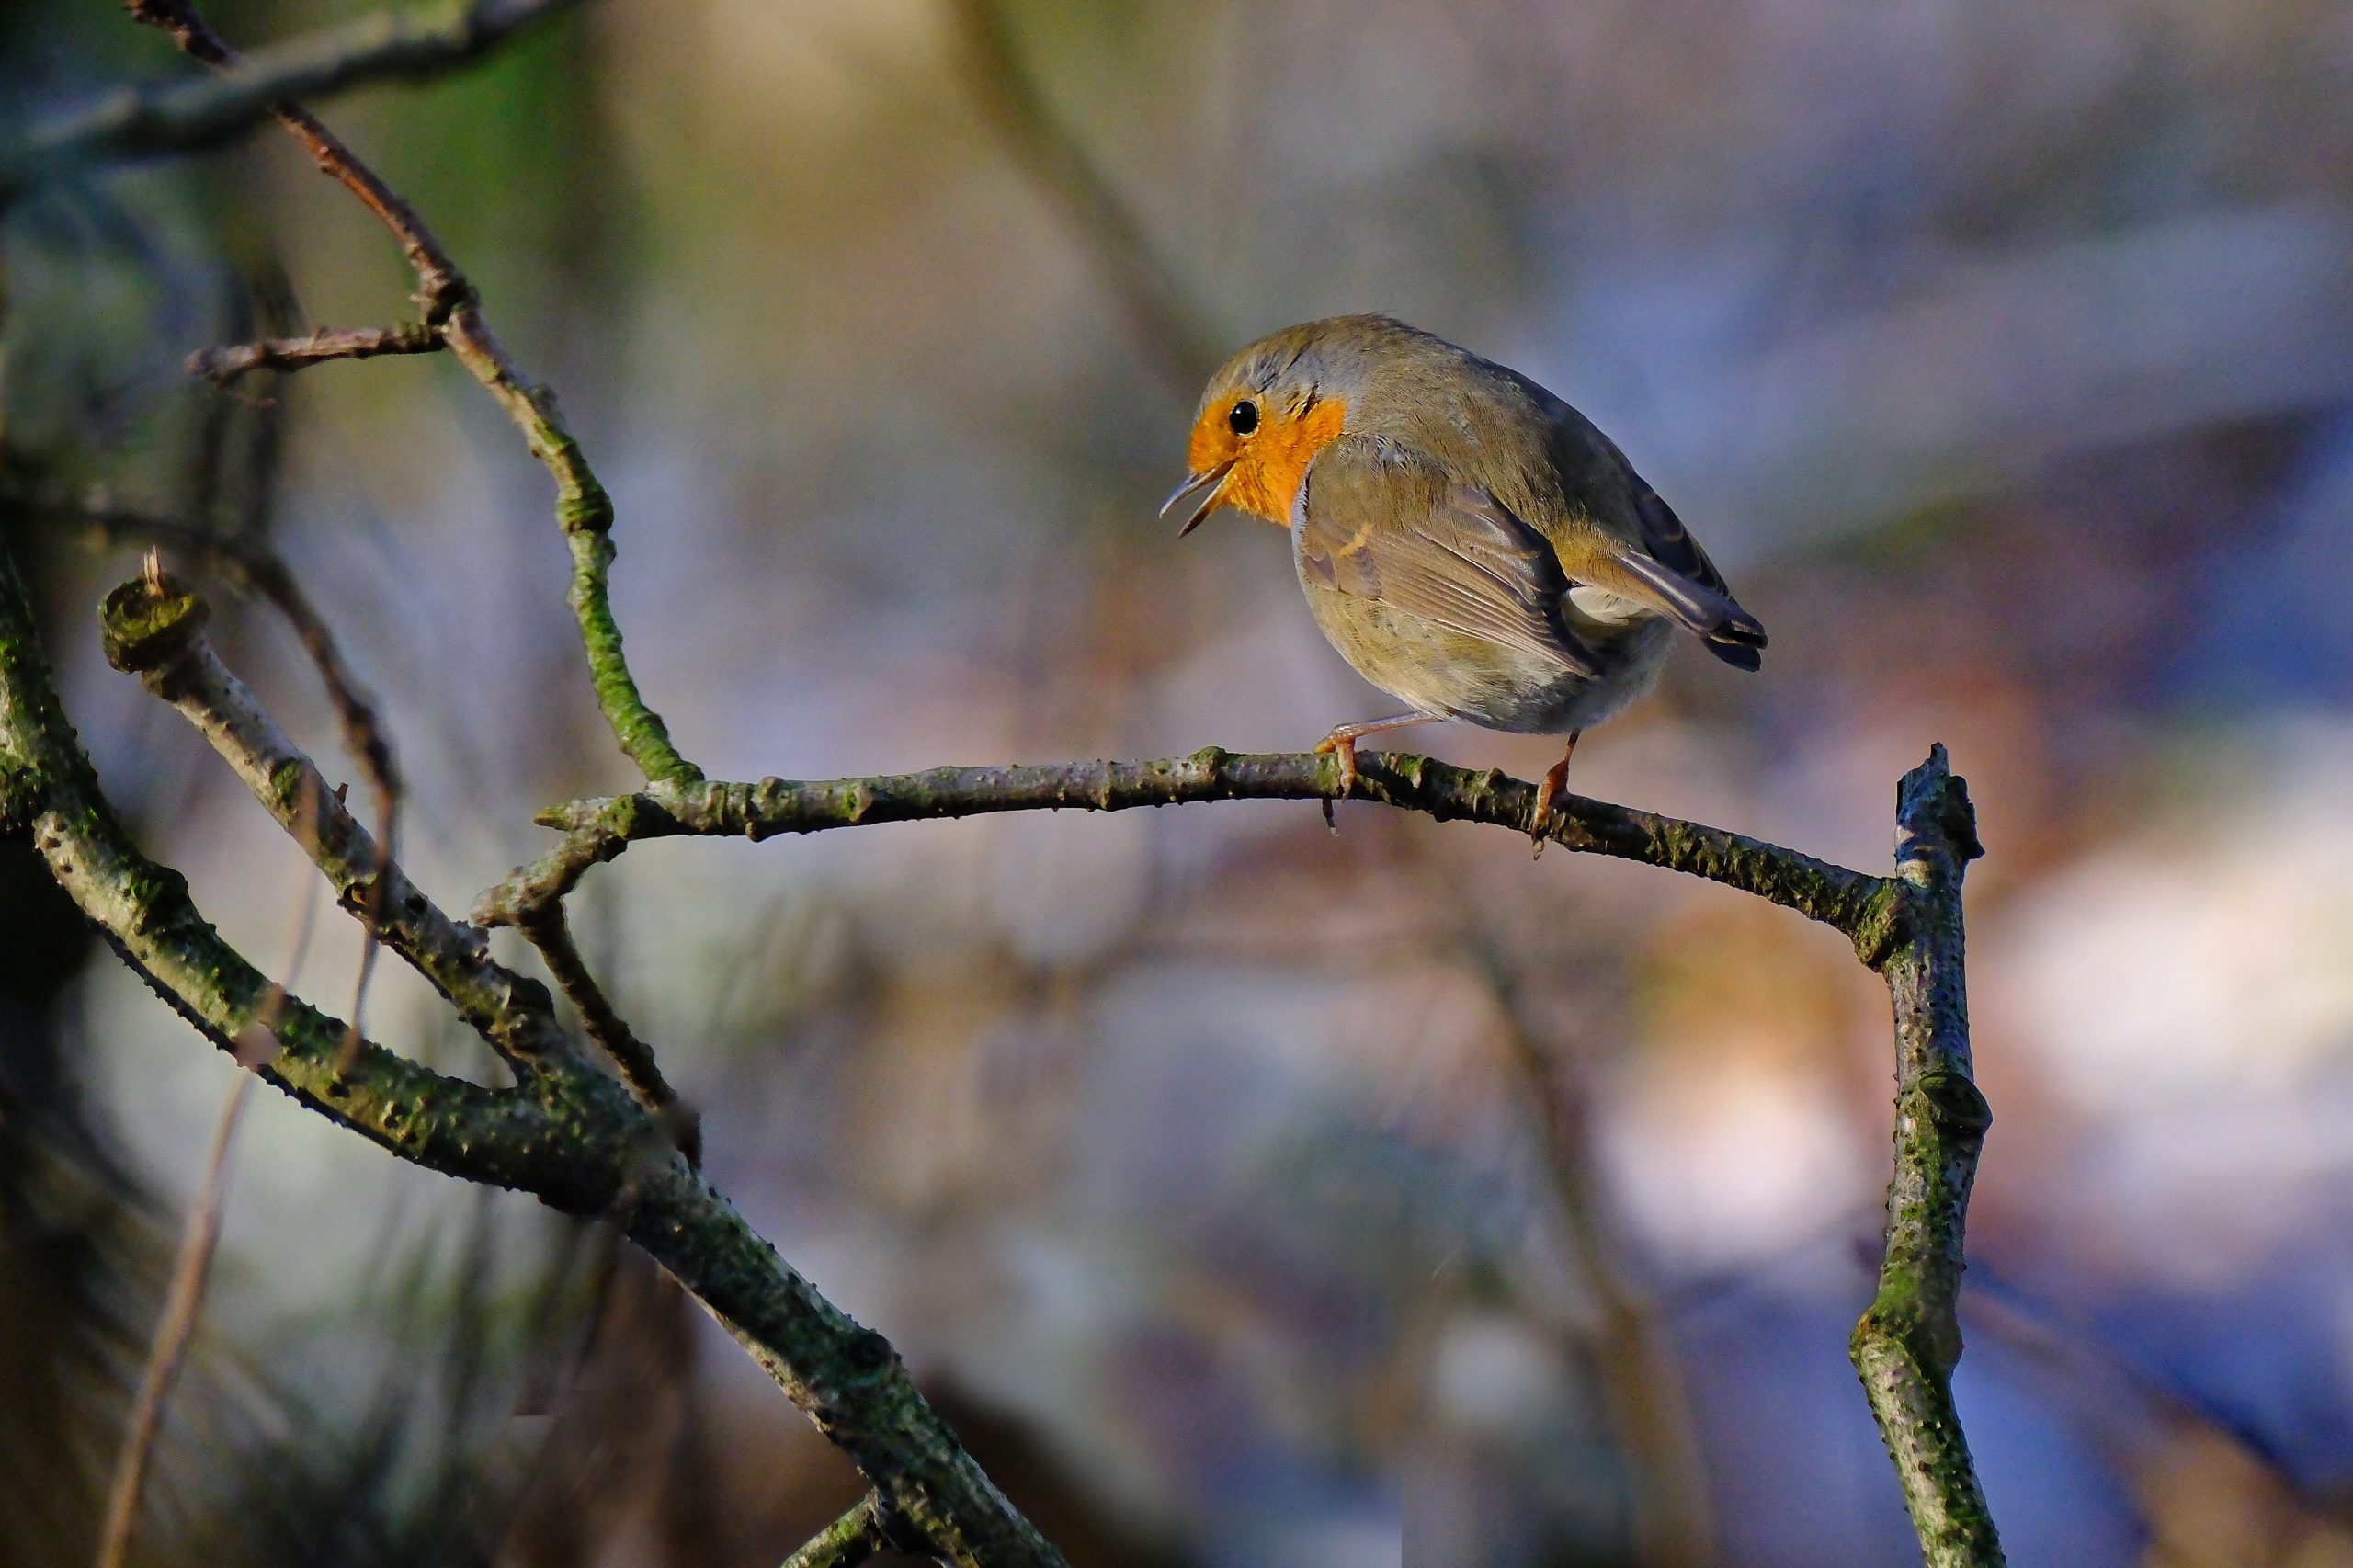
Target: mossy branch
[
  {"x": 156, "y": 631},
  {"x": 571, "y": 1136},
  {"x": 1908, "y": 1341},
  {"x": 50, "y": 795},
  {"x": 848, "y": 1542},
  {"x": 1907, "y": 928},
  {"x": 596, "y": 830},
  {"x": 453, "y": 315}
]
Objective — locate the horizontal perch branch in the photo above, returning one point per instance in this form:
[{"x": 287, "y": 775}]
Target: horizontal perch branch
[
  {"x": 1908, "y": 927},
  {"x": 1861, "y": 907}
]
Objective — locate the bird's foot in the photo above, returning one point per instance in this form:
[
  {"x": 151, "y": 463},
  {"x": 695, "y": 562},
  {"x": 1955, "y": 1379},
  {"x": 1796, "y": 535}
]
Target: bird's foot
[
  {"x": 1343, "y": 746},
  {"x": 1555, "y": 781}
]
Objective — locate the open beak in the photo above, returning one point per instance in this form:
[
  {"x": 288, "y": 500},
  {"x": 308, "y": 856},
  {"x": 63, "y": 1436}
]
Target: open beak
[{"x": 1213, "y": 481}]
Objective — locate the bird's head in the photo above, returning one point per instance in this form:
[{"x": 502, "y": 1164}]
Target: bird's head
[{"x": 1269, "y": 410}]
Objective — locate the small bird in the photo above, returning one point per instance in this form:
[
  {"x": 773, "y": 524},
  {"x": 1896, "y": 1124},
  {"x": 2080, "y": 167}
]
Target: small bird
[{"x": 1468, "y": 541}]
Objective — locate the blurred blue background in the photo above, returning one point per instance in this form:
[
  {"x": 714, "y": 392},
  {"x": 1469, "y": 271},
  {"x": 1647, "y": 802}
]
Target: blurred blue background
[{"x": 1249, "y": 1195}]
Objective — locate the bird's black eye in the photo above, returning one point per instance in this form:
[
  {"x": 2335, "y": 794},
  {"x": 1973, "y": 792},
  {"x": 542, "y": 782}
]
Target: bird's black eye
[{"x": 1244, "y": 417}]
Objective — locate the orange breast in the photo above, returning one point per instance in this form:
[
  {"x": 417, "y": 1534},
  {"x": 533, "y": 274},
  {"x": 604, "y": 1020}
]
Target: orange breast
[{"x": 1267, "y": 477}]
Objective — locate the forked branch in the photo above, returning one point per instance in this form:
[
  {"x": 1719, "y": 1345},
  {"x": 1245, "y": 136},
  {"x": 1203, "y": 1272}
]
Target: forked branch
[
  {"x": 569, "y": 1135},
  {"x": 453, "y": 312}
]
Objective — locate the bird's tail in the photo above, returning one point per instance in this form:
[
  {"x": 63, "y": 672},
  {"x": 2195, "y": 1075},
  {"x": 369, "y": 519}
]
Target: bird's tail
[{"x": 1730, "y": 632}]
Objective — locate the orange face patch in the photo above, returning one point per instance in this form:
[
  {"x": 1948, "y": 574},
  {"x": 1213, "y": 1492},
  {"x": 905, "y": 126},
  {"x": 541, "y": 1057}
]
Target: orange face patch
[{"x": 1270, "y": 464}]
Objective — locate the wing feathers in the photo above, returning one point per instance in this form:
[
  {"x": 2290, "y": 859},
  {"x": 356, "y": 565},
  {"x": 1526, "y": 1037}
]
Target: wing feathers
[
  {"x": 1447, "y": 552},
  {"x": 1384, "y": 522}
]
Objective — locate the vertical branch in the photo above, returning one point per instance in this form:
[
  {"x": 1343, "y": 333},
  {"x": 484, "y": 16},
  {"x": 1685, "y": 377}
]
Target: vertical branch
[{"x": 1908, "y": 1342}]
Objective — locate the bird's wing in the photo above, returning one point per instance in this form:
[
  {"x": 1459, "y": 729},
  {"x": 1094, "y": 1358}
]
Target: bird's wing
[
  {"x": 1669, "y": 571},
  {"x": 1385, "y": 523}
]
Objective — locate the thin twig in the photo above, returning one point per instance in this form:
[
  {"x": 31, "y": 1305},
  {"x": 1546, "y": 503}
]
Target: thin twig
[
  {"x": 848, "y": 1542},
  {"x": 223, "y": 365},
  {"x": 172, "y": 1334},
  {"x": 550, "y": 932},
  {"x": 180, "y": 116},
  {"x": 247, "y": 561},
  {"x": 583, "y": 510},
  {"x": 198, "y": 1236}
]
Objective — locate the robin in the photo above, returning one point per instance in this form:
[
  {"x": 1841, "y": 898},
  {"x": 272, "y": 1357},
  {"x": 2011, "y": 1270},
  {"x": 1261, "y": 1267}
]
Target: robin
[{"x": 1469, "y": 543}]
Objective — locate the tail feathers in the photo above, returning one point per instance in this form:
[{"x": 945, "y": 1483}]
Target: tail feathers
[
  {"x": 1728, "y": 631},
  {"x": 1741, "y": 653}
]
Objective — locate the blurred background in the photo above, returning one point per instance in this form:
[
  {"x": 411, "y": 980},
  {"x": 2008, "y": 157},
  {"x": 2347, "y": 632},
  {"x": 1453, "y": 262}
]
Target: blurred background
[{"x": 1246, "y": 1194}]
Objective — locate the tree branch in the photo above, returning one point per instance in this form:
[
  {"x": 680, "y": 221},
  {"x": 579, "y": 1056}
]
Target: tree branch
[
  {"x": 152, "y": 629},
  {"x": 223, "y": 365},
  {"x": 182, "y": 116},
  {"x": 597, "y": 829},
  {"x": 550, "y": 932},
  {"x": 1907, "y": 1342},
  {"x": 848, "y": 1542},
  {"x": 246, "y": 562},
  {"x": 583, "y": 510},
  {"x": 1907, "y": 928},
  {"x": 573, "y": 1137},
  {"x": 849, "y": 1380},
  {"x": 49, "y": 793}
]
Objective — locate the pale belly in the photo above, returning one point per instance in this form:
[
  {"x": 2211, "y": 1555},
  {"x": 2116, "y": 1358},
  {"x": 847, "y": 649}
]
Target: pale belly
[{"x": 1439, "y": 671}]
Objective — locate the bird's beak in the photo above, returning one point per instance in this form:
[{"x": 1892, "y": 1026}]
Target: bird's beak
[{"x": 1213, "y": 481}]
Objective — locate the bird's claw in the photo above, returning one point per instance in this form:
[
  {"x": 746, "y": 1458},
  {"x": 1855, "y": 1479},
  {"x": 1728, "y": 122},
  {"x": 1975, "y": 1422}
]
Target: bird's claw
[
  {"x": 1540, "y": 821},
  {"x": 1345, "y": 748}
]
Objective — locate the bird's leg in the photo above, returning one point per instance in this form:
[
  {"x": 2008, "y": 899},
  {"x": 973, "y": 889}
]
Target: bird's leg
[
  {"x": 1556, "y": 778},
  {"x": 1342, "y": 742}
]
